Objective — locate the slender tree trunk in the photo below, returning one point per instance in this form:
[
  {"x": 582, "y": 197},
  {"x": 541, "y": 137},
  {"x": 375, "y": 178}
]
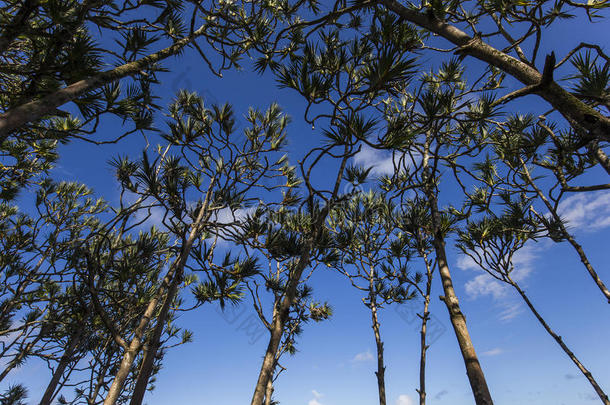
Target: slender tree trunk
[
  {"x": 66, "y": 358},
  {"x": 424, "y": 323},
  {"x": 168, "y": 288},
  {"x": 581, "y": 253},
  {"x": 478, "y": 384},
  {"x": 153, "y": 347},
  {"x": 37, "y": 109},
  {"x": 475, "y": 374},
  {"x": 280, "y": 316},
  {"x": 566, "y": 103},
  {"x": 380, "y": 373},
  {"x": 602, "y": 395},
  {"x": 282, "y": 310}
]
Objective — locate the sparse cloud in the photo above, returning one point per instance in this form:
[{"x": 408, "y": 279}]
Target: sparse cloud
[
  {"x": 586, "y": 211},
  {"x": 483, "y": 284},
  {"x": 404, "y": 399},
  {"x": 363, "y": 356},
  {"x": 572, "y": 376},
  {"x": 510, "y": 310},
  {"x": 441, "y": 394},
  {"x": 382, "y": 162},
  {"x": 228, "y": 216},
  {"x": 493, "y": 352},
  {"x": 588, "y": 396},
  {"x": 315, "y": 399}
]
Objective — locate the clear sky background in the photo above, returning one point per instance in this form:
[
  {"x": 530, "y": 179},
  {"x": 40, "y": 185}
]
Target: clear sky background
[{"x": 335, "y": 363}]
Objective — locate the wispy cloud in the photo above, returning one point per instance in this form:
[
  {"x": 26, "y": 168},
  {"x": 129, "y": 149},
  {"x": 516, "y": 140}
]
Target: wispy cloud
[
  {"x": 586, "y": 211},
  {"x": 404, "y": 399},
  {"x": 381, "y": 162},
  {"x": 483, "y": 284},
  {"x": 441, "y": 394},
  {"x": 316, "y": 397},
  {"x": 363, "y": 356},
  {"x": 493, "y": 352}
]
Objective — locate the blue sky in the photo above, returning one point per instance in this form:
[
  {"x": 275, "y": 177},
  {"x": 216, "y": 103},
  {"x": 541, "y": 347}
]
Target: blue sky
[{"x": 335, "y": 365}]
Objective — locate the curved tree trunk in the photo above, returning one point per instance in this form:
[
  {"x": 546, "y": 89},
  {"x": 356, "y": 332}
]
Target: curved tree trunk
[
  {"x": 153, "y": 346},
  {"x": 168, "y": 288},
  {"x": 602, "y": 395}
]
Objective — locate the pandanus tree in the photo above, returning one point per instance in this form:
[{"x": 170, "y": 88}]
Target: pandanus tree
[
  {"x": 509, "y": 39},
  {"x": 273, "y": 234},
  {"x": 373, "y": 256},
  {"x": 436, "y": 122},
  {"x": 296, "y": 238},
  {"x": 340, "y": 79},
  {"x": 206, "y": 167},
  {"x": 57, "y": 52},
  {"x": 520, "y": 144},
  {"x": 414, "y": 222},
  {"x": 35, "y": 269},
  {"x": 492, "y": 243},
  {"x": 437, "y": 131}
]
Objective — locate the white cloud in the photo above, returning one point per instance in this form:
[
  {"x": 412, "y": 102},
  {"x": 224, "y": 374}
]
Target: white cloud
[
  {"x": 381, "y": 161},
  {"x": 228, "y": 216},
  {"x": 404, "y": 399},
  {"x": 316, "y": 396},
  {"x": 586, "y": 211},
  {"x": 364, "y": 356},
  {"x": 483, "y": 284},
  {"x": 493, "y": 352},
  {"x": 510, "y": 310}
]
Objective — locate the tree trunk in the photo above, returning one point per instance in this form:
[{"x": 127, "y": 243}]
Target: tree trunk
[
  {"x": 168, "y": 288},
  {"x": 269, "y": 392},
  {"x": 66, "y": 358},
  {"x": 478, "y": 384},
  {"x": 280, "y": 316},
  {"x": 380, "y": 373},
  {"x": 47, "y": 105},
  {"x": 566, "y": 103},
  {"x": 423, "y": 346},
  {"x": 153, "y": 346},
  {"x": 602, "y": 395}
]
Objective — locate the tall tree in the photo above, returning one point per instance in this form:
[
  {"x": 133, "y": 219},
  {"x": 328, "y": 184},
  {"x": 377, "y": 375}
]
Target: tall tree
[
  {"x": 374, "y": 258},
  {"x": 492, "y": 243},
  {"x": 216, "y": 168}
]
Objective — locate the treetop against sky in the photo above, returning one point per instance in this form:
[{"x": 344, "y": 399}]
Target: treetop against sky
[{"x": 186, "y": 186}]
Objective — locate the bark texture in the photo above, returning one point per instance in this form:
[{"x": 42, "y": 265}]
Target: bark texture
[
  {"x": 566, "y": 103},
  {"x": 38, "y": 109},
  {"x": 476, "y": 377}
]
